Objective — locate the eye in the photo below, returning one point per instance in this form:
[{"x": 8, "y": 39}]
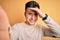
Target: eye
[
  {"x": 30, "y": 13},
  {"x": 36, "y": 14}
]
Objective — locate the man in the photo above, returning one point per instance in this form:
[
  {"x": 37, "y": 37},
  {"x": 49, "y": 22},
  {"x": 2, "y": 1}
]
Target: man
[{"x": 28, "y": 30}]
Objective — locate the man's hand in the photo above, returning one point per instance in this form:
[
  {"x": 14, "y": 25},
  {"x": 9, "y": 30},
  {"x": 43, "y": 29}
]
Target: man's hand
[{"x": 41, "y": 15}]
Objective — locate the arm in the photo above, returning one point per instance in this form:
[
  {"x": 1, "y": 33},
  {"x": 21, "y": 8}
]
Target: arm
[
  {"x": 4, "y": 24},
  {"x": 54, "y": 28}
]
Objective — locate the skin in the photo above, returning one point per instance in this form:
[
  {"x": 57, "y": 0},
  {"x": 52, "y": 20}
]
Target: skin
[
  {"x": 32, "y": 14},
  {"x": 4, "y": 24}
]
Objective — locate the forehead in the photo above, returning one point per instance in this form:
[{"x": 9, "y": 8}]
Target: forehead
[{"x": 30, "y": 11}]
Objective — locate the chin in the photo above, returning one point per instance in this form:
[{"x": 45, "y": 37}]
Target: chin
[{"x": 32, "y": 23}]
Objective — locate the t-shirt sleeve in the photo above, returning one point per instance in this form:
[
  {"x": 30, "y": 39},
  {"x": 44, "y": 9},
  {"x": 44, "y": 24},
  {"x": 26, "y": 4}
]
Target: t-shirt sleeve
[
  {"x": 54, "y": 28},
  {"x": 14, "y": 32}
]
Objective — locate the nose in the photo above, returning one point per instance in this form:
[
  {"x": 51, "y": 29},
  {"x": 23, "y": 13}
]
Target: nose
[{"x": 33, "y": 17}]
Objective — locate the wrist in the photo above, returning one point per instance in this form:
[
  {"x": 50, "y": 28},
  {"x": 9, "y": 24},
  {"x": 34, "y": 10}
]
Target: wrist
[{"x": 44, "y": 18}]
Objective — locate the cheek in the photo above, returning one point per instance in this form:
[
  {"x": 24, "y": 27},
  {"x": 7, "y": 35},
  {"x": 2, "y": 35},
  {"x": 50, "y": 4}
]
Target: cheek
[
  {"x": 28, "y": 17},
  {"x": 36, "y": 18}
]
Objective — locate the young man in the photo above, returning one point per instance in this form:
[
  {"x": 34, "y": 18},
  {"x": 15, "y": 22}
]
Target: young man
[{"x": 28, "y": 30}]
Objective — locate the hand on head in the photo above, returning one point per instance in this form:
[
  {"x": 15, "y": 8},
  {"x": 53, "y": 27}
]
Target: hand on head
[{"x": 41, "y": 15}]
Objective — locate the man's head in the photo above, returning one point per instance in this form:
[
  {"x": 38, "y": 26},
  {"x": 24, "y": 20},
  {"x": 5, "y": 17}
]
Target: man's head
[
  {"x": 32, "y": 4},
  {"x": 31, "y": 15}
]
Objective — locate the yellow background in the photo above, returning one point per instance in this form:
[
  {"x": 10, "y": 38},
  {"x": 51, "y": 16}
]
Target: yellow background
[{"x": 15, "y": 11}]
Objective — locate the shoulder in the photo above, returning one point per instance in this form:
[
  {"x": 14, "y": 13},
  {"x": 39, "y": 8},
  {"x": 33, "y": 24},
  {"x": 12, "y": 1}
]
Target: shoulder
[
  {"x": 17, "y": 25},
  {"x": 40, "y": 26}
]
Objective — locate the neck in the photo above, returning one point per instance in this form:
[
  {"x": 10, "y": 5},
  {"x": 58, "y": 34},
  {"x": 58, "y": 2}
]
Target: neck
[{"x": 29, "y": 24}]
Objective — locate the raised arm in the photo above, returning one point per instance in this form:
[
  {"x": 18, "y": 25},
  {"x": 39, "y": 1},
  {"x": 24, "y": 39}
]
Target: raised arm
[
  {"x": 54, "y": 28},
  {"x": 4, "y": 25}
]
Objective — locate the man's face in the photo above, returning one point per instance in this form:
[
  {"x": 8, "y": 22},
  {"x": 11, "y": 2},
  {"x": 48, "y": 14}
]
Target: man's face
[{"x": 31, "y": 16}]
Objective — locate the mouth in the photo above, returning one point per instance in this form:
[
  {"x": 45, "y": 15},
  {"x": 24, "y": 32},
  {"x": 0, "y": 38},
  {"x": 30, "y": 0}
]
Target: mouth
[{"x": 32, "y": 21}]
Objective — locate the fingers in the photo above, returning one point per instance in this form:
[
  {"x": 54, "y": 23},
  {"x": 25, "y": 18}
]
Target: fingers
[{"x": 35, "y": 9}]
